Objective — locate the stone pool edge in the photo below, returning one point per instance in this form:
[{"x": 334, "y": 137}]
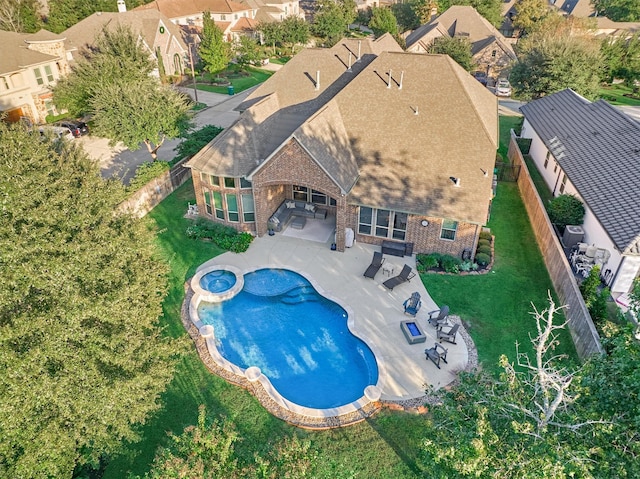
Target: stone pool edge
[{"x": 371, "y": 394}]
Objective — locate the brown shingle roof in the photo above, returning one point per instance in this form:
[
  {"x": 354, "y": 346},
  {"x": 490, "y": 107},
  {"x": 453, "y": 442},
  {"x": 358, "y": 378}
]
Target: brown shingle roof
[
  {"x": 143, "y": 22},
  {"x": 181, "y": 8},
  {"x": 15, "y": 54},
  {"x": 466, "y": 21},
  {"x": 357, "y": 128}
]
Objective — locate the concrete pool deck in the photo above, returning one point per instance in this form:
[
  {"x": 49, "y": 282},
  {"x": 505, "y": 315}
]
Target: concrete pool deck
[{"x": 404, "y": 371}]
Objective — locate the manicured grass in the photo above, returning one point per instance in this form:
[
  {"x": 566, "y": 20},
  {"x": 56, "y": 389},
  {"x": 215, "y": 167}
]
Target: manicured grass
[
  {"x": 614, "y": 94},
  {"x": 507, "y": 123},
  {"x": 240, "y": 83},
  {"x": 538, "y": 181},
  {"x": 496, "y": 306},
  {"x": 386, "y": 446},
  {"x": 279, "y": 60}
]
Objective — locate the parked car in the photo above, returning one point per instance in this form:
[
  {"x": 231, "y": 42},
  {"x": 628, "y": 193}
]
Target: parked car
[
  {"x": 503, "y": 87},
  {"x": 481, "y": 77},
  {"x": 56, "y": 131},
  {"x": 77, "y": 128}
]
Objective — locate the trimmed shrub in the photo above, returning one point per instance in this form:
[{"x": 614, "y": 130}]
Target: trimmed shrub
[
  {"x": 468, "y": 266},
  {"x": 483, "y": 259},
  {"x": 484, "y": 242},
  {"x": 146, "y": 172},
  {"x": 565, "y": 210},
  {"x": 485, "y": 235},
  {"x": 224, "y": 236},
  {"x": 484, "y": 250},
  {"x": 450, "y": 264},
  {"x": 428, "y": 261}
]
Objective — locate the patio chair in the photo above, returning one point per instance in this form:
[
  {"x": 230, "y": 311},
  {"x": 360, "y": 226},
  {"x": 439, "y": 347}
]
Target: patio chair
[
  {"x": 436, "y": 354},
  {"x": 412, "y": 305},
  {"x": 375, "y": 265},
  {"x": 442, "y": 318},
  {"x": 449, "y": 336},
  {"x": 404, "y": 276}
]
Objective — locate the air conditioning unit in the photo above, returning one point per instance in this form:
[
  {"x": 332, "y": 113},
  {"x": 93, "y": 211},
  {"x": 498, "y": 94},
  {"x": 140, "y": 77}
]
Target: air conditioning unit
[{"x": 572, "y": 236}]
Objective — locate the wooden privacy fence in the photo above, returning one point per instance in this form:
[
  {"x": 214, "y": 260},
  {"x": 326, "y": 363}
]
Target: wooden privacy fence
[
  {"x": 147, "y": 197},
  {"x": 584, "y": 334}
]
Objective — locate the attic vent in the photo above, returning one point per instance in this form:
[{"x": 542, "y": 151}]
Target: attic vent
[
  {"x": 636, "y": 150},
  {"x": 349, "y": 67},
  {"x": 359, "y": 46},
  {"x": 389, "y": 82}
]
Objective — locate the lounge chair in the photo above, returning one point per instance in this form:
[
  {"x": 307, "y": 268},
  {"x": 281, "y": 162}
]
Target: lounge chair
[
  {"x": 375, "y": 265},
  {"x": 436, "y": 354},
  {"x": 404, "y": 276},
  {"x": 412, "y": 305},
  {"x": 449, "y": 336},
  {"x": 441, "y": 319}
]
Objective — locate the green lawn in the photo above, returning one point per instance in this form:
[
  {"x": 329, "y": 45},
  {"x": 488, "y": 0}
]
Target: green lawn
[
  {"x": 614, "y": 94},
  {"x": 506, "y": 124},
  {"x": 240, "y": 83}
]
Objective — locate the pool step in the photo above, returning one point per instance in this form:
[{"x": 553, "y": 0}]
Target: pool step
[{"x": 300, "y": 295}]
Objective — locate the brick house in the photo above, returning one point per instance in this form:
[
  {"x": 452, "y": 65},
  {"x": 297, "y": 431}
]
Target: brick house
[
  {"x": 491, "y": 51},
  {"x": 396, "y": 146}
]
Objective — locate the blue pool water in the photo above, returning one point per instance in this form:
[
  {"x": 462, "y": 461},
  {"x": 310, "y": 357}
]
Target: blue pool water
[
  {"x": 218, "y": 281},
  {"x": 297, "y": 337}
]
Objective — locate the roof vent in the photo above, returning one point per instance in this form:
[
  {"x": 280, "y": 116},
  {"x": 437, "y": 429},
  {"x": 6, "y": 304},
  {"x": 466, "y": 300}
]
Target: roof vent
[
  {"x": 389, "y": 82},
  {"x": 359, "y": 46},
  {"x": 401, "y": 77},
  {"x": 349, "y": 67},
  {"x": 317, "y": 79},
  {"x": 456, "y": 181}
]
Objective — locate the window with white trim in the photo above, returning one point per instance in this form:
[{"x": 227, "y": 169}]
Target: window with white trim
[
  {"x": 38, "y": 74},
  {"x": 563, "y": 183},
  {"x": 382, "y": 223},
  {"x": 546, "y": 159},
  {"x": 232, "y": 208},
  {"x": 49, "y": 73},
  {"x": 229, "y": 182},
  {"x": 448, "y": 230},
  {"x": 248, "y": 209},
  {"x": 302, "y": 193},
  {"x": 244, "y": 183},
  {"x": 217, "y": 204}
]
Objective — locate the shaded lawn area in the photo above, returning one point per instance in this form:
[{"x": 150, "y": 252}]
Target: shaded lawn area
[
  {"x": 240, "y": 83},
  {"x": 385, "y": 446},
  {"x": 614, "y": 94},
  {"x": 507, "y": 123},
  {"x": 538, "y": 181},
  {"x": 496, "y": 306}
]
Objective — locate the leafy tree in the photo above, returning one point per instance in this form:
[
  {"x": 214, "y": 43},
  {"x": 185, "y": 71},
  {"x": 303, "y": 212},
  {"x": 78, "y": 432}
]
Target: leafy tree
[
  {"x": 66, "y": 13},
  {"x": 550, "y": 62},
  {"x": 622, "y": 58},
  {"x": 329, "y": 22},
  {"x": 194, "y": 141},
  {"x": 459, "y": 49},
  {"x": 20, "y": 16},
  {"x": 113, "y": 83},
  {"x": 247, "y": 52},
  {"x": 295, "y": 31},
  {"x": 423, "y": 9},
  {"x": 382, "y": 21},
  {"x": 145, "y": 112},
  {"x": 566, "y": 210},
  {"x": 489, "y": 9},
  {"x": 214, "y": 51},
  {"x": 82, "y": 356},
  {"x": 618, "y": 10},
  {"x": 530, "y": 12},
  {"x": 271, "y": 33},
  {"x": 405, "y": 16},
  {"x": 349, "y": 10},
  {"x": 595, "y": 300}
]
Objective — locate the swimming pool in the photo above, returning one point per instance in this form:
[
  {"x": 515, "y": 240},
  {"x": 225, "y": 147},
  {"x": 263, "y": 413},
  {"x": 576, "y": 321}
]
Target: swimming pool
[{"x": 298, "y": 338}]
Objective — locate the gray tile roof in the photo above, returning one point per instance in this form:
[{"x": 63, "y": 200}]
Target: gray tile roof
[
  {"x": 367, "y": 136},
  {"x": 598, "y": 147}
]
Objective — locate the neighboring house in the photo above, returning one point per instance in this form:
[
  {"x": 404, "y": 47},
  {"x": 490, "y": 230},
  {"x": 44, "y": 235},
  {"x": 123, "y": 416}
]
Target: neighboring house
[
  {"x": 234, "y": 18},
  {"x": 30, "y": 64},
  {"x": 491, "y": 51},
  {"x": 592, "y": 150},
  {"x": 394, "y": 145},
  {"x": 157, "y": 33}
]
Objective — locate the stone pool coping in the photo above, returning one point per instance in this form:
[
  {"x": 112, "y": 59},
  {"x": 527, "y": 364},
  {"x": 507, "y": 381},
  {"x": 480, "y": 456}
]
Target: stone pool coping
[
  {"x": 306, "y": 417},
  {"x": 253, "y": 374}
]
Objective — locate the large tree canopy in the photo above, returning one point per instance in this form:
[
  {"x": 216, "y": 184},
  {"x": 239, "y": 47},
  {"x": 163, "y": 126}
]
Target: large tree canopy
[
  {"x": 622, "y": 58},
  {"x": 618, "y": 10},
  {"x": 114, "y": 84},
  {"x": 82, "y": 357},
  {"x": 330, "y": 21},
  {"x": 383, "y": 21},
  {"x": 214, "y": 51},
  {"x": 552, "y": 60}
]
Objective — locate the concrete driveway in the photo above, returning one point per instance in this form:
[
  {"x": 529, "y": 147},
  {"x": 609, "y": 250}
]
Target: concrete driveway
[{"x": 120, "y": 162}]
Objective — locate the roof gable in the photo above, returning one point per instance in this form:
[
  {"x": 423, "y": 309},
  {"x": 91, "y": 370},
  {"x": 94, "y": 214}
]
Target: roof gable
[{"x": 598, "y": 148}]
